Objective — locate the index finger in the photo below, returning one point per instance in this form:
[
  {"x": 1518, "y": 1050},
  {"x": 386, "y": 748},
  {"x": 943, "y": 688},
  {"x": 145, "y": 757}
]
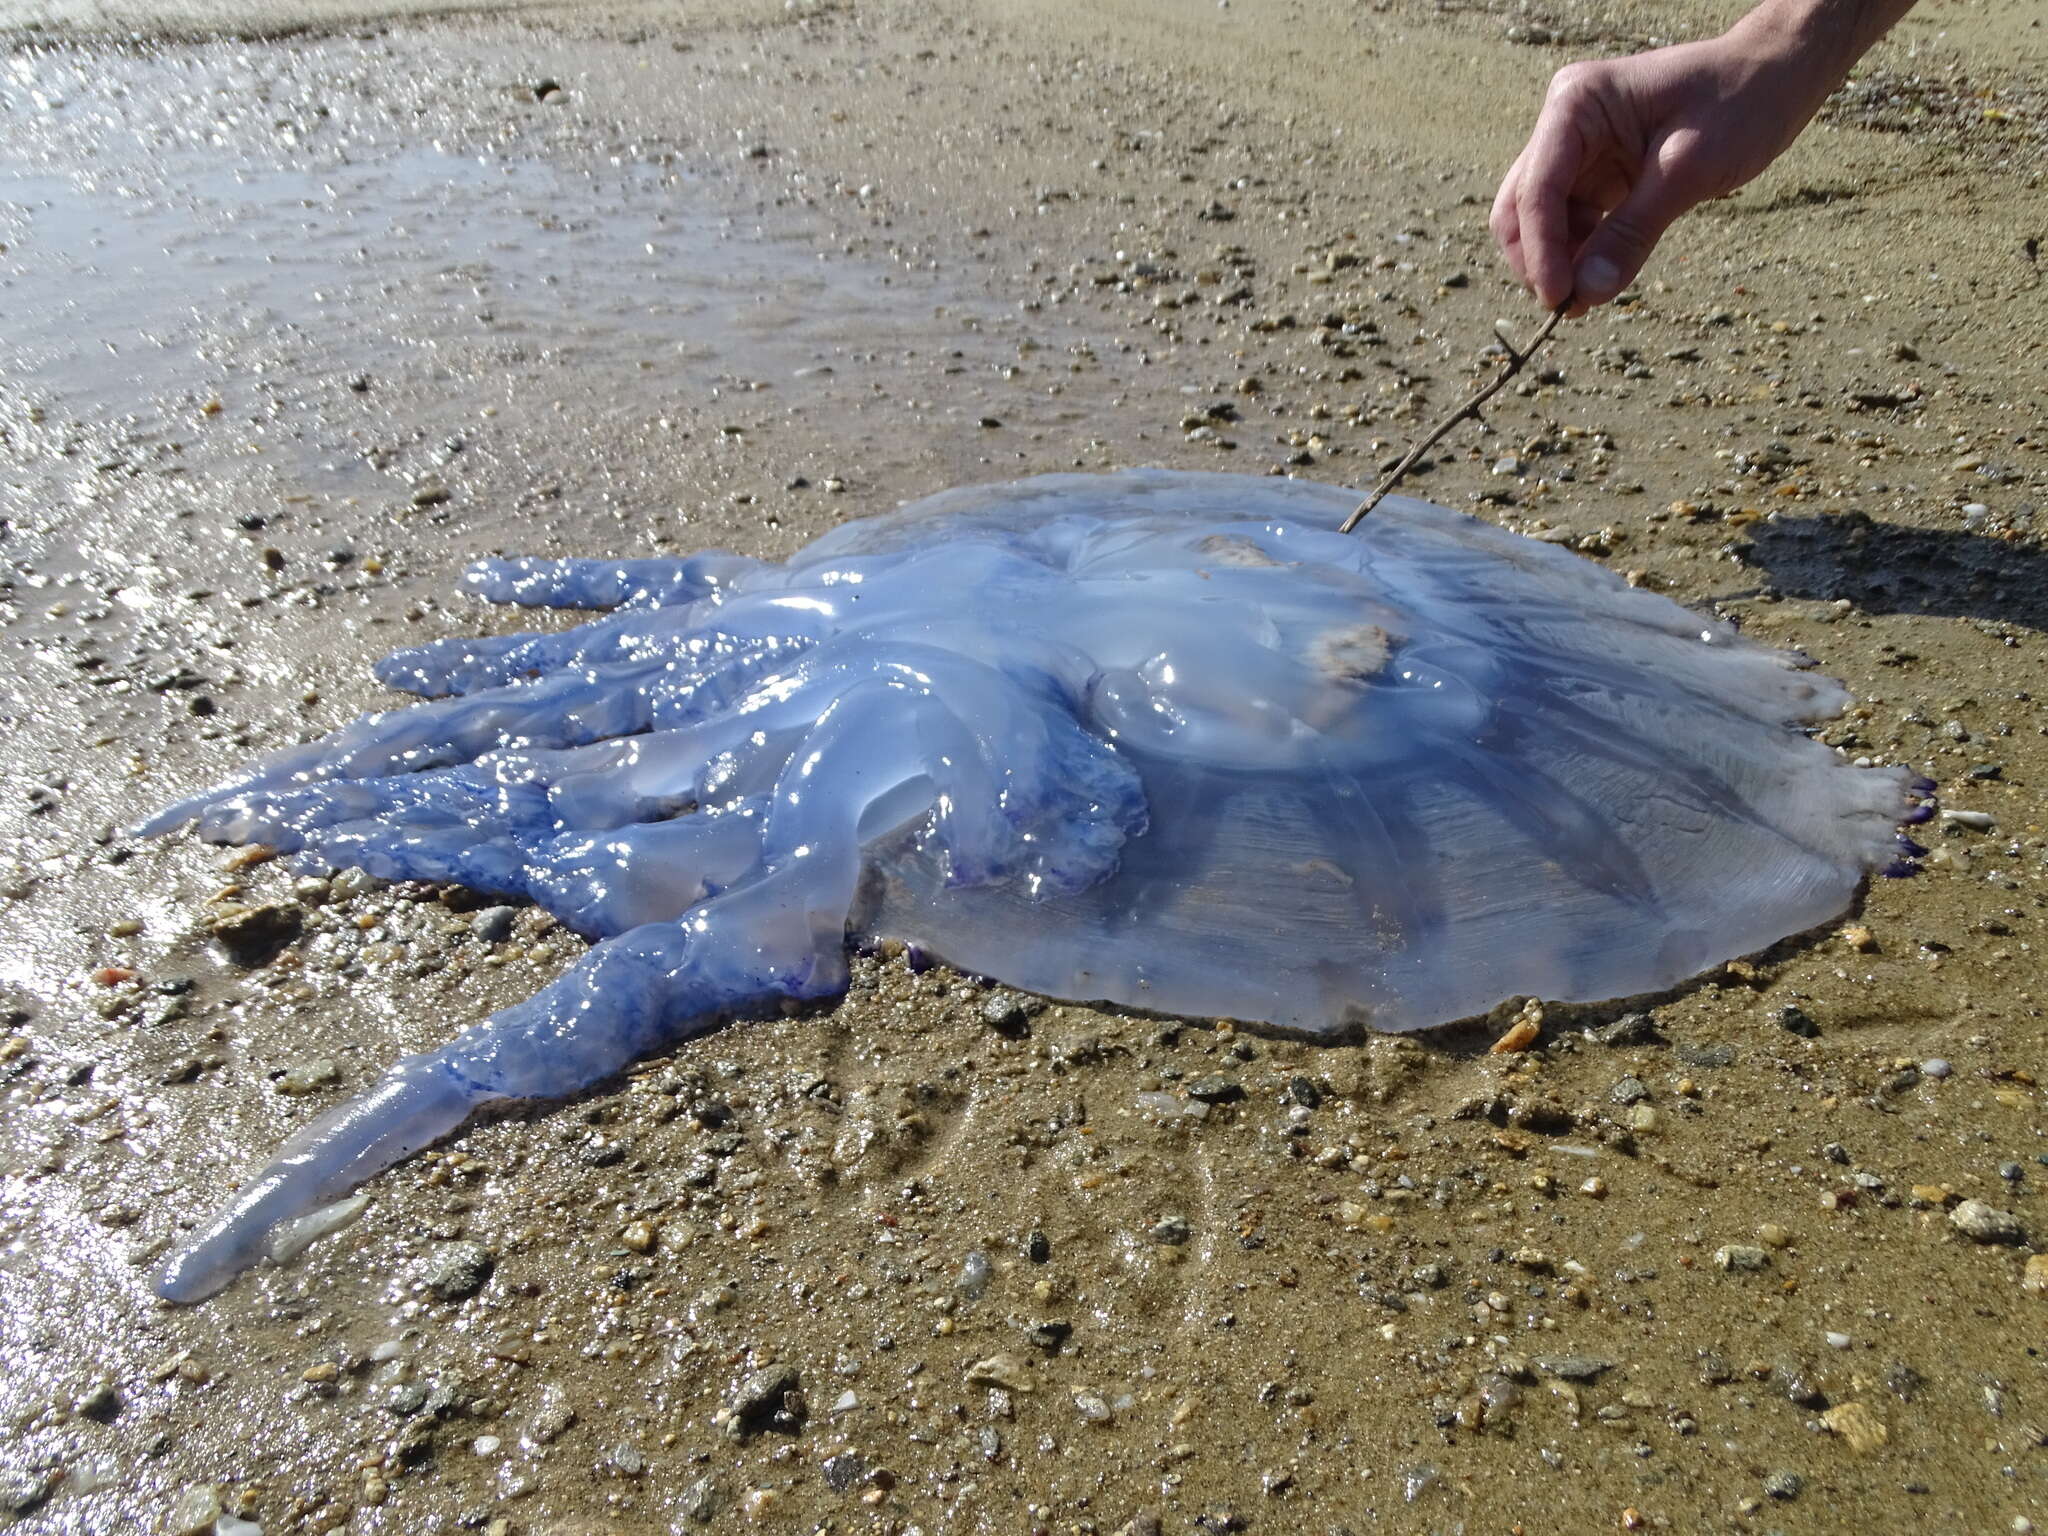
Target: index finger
[
  {"x": 1506, "y": 224},
  {"x": 1550, "y": 168}
]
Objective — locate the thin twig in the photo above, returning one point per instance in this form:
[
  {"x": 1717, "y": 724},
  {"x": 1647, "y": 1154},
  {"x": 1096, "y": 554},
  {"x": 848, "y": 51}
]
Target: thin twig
[{"x": 1518, "y": 359}]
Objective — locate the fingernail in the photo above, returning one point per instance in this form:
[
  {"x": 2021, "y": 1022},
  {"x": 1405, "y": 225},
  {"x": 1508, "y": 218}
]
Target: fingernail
[{"x": 1598, "y": 279}]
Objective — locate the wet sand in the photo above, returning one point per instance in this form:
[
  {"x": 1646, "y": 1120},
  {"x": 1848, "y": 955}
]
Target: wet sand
[{"x": 297, "y": 325}]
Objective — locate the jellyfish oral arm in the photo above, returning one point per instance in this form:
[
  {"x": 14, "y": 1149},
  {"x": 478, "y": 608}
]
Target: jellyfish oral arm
[{"x": 880, "y": 755}]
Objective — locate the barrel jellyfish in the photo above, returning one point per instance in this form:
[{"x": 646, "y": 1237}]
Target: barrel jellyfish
[{"x": 1162, "y": 740}]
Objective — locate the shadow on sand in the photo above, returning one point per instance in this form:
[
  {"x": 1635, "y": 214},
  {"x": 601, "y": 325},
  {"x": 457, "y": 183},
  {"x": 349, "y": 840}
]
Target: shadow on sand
[{"x": 1891, "y": 568}]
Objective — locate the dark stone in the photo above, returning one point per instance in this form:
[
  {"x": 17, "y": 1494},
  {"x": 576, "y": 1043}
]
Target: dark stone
[
  {"x": 760, "y": 1397},
  {"x": 844, "y": 1471},
  {"x": 493, "y": 925},
  {"x": 1707, "y": 1056},
  {"x": 453, "y": 1271},
  {"x": 1037, "y": 1247},
  {"x": 1007, "y": 1012},
  {"x": 1574, "y": 1367},
  {"x": 1051, "y": 1336},
  {"x": 1795, "y": 1020},
  {"x": 700, "y": 1501},
  {"x": 1215, "y": 1089},
  {"x": 1784, "y": 1486},
  {"x": 253, "y": 935}
]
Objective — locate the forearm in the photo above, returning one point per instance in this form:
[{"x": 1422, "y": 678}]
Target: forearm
[{"x": 1827, "y": 37}]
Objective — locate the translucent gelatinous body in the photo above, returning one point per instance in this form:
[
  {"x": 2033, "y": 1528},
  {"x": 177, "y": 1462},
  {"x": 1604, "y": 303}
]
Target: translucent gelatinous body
[{"x": 1167, "y": 740}]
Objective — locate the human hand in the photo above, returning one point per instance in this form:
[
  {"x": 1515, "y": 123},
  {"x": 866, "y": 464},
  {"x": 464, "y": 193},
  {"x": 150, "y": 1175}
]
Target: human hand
[{"x": 1624, "y": 146}]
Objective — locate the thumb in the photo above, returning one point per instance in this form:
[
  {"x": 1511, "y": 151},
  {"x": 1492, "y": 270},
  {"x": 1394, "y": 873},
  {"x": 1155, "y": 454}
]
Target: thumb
[{"x": 1622, "y": 242}]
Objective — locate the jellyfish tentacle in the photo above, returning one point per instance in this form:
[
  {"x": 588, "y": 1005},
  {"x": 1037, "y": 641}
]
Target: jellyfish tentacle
[
  {"x": 291, "y": 818},
  {"x": 458, "y": 664},
  {"x": 643, "y": 989},
  {"x": 567, "y": 709},
  {"x": 564, "y": 709},
  {"x": 781, "y": 934},
  {"x": 603, "y": 883},
  {"x": 415, "y": 1105}
]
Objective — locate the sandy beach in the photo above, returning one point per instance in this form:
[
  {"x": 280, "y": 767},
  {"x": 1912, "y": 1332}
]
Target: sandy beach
[{"x": 304, "y": 307}]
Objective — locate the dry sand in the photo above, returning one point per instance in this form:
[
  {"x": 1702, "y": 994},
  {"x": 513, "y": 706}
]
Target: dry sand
[{"x": 296, "y": 322}]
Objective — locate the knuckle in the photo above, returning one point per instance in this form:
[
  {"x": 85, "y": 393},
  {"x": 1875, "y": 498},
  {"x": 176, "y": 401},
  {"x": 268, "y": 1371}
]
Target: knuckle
[{"x": 1578, "y": 83}]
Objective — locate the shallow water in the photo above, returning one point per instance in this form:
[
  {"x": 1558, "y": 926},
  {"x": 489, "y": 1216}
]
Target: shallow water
[{"x": 177, "y": 282}]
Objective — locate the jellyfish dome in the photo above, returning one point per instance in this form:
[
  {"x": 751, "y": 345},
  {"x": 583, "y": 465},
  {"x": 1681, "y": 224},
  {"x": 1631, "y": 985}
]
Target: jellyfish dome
[{"x": 1159, "y": 739}]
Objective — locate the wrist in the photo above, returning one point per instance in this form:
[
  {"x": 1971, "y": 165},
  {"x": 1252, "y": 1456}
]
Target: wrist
[{"x": 1822, "y": 39}]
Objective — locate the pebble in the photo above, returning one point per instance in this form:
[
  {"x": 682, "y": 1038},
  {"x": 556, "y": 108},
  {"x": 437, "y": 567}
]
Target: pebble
[
  {"x": 975, "y": 1273},
  {"x": 1708, "y": 1056},
  {"x": 699, "y": 1502},
  {"x": 2035, "y": 1277},
  {"x": 759, "y": 1395},
  {"x": 1986, "y": 1223},
  {"x": 1092, "y": 1406},
  {"x": 242, "y": 930},
  {"x": 308, "y": 1076},
  {"x": 1003, "y": 1370},
  {"x": 1215, "y": 1089},
  {"x": 845, "y": 1471},
  {"x": 23, "y": 1491},
  {"x": 1935, "y": 1067},
  {"x": 1629, "y": 1029},
  {"x": 1171, "y": 1231},
  {"x": 1794, "y": 1020},
  {"x": 1784, "y": 1485},
  {"x": 554, "y": 1415},
  {"x": 1520, "y": 1036},
  {"x": 1007, "y": 1011},
  {"x": 196, "y": 1510},
  {"x": 1629, "y": 1090},
  {"x": 1858, "y": 1426},
  {"x": 1741, "y": 1258},
  {"x": 625, "y": 1457},
  {"x": 492, "y": 925},
  {"x": 455, "y": 1270},
  {"x": 1574, "y": 1367}
]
